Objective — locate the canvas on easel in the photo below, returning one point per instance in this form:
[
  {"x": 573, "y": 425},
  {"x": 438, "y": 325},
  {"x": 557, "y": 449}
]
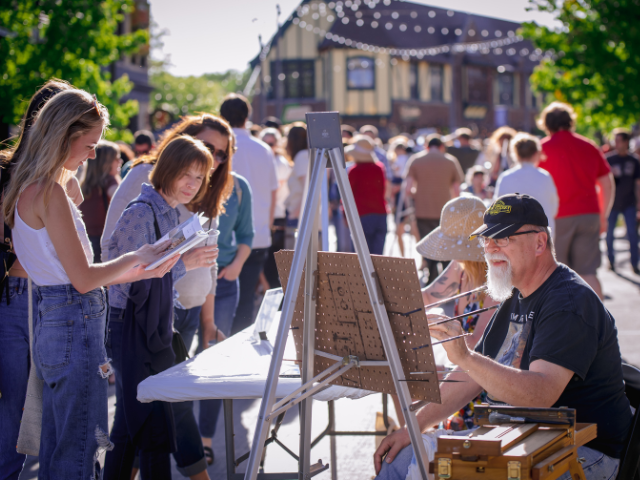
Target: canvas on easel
[{"x": 345, "y": 324}]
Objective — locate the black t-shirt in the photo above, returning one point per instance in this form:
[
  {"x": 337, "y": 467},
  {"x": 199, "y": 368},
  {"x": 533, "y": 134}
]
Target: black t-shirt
[
  {"x": 626, "y": 171},
  {"x": 565, "y": 323}
]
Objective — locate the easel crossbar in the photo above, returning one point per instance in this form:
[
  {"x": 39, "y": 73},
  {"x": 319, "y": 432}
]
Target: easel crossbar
[
  {"x": 313, "y": 390},
  {"x": 306, "y": 385},
  {"x": 362, "y": 363}
]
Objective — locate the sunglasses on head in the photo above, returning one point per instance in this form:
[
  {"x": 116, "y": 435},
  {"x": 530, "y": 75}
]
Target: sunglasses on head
[{"x": 220, "y": 155}]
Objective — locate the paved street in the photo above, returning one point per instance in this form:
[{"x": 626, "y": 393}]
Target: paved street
[{"x": 354, "y": 454}]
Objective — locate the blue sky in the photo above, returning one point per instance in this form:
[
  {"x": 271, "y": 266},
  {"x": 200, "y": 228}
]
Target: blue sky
[{"x": 207, "y": 36}]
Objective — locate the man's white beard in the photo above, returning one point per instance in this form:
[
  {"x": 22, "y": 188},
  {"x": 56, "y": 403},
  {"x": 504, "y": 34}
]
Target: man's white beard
[{"x": 499, "y": 279}]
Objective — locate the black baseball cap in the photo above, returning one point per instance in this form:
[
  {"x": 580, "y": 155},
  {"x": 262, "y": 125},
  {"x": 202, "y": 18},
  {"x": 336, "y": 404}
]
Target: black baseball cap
[{"x": 508, "y": 213}]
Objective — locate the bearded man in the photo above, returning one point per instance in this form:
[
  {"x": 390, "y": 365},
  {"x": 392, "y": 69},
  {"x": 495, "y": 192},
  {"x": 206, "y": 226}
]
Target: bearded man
[{"x": 551, "y": 343}]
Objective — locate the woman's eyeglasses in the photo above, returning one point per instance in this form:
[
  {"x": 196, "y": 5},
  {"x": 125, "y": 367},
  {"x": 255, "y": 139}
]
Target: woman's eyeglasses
[{"x": 220, "y": 155}]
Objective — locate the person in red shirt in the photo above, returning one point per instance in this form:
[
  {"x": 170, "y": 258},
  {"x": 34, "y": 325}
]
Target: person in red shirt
[
  {"x": 577, "y": 168},
  {"x": 368, "y": 182}
]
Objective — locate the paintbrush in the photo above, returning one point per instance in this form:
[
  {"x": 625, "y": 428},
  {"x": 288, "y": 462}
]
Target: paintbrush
[
  {"x": 475, "y": 312},
  {"x": 460, "y": 295},
  {"x": 442, "y": 341}
]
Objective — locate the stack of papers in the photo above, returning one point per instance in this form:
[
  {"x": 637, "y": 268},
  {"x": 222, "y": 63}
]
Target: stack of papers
[{"x": 183, "y": 238}]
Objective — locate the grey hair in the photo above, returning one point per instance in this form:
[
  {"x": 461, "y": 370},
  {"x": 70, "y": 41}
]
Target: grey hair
[{"x": 550, "y": 245}]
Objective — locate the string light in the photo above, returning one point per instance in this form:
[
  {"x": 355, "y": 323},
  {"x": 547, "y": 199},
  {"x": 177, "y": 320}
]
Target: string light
[{"x": 483, "y": 47}]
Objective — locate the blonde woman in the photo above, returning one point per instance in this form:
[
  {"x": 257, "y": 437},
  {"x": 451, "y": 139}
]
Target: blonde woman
[
  {"x": 467, "y": 271},
  {"x": 52, "y": 245}
]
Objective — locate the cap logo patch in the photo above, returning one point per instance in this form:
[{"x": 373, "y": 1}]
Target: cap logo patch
[{"x": 499, "y": 207}]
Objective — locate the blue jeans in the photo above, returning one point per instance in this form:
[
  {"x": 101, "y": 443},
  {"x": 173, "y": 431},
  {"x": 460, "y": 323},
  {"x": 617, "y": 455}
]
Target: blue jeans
[
  {"x": 189, "y": 458},
  {"x": 14, "y": 372},
  {"x": 226, "y": 302},
  {"x": 374, "y": 226},
  {"x": 187, "y": 321},
  {"x": 68, "y": 353},
  {"x": 249, "y": 277},
  {"x": 629, "y": 214},
  {"x": 597, "y": 465}
]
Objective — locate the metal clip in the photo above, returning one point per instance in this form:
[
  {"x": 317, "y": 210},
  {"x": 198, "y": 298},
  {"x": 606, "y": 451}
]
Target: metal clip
[
  {"x": 513, "y": 470},
  {"x": 444, "y": 468},
  {"x": 351, "y": 358}
]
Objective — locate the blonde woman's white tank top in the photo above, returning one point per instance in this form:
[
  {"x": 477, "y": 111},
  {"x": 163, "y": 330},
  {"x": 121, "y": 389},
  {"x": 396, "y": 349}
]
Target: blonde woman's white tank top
[{"x": 37, "y": 255}]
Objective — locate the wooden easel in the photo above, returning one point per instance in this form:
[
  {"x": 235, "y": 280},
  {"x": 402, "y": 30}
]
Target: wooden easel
[{"x": 543, "y": 448}]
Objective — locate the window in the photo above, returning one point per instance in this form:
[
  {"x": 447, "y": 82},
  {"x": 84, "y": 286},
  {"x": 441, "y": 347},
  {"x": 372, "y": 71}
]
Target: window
[
  {"x": 413, "y": 81},
  {"x": 505, "y": 89},
  {"x": 298, "y": 78},
  {"x": 360, "y": 73},
  {"x": 436, "y": 81},
  {"x": 477, "y": 85}
]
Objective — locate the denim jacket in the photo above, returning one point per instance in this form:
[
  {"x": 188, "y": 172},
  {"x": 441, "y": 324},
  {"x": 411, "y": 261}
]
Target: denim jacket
[{"x": 135, "y": 229}]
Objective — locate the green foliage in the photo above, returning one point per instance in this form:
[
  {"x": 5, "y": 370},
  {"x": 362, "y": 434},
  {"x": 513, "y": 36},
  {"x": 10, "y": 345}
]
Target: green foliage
[
  {"x": 595, "y": 63},
  {"x": 179, "y": 96},
  {"x": 74, "y": 40}
]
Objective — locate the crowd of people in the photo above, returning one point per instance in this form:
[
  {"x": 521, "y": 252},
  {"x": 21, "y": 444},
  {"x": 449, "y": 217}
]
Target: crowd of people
[{"x": 82, "y": 218}]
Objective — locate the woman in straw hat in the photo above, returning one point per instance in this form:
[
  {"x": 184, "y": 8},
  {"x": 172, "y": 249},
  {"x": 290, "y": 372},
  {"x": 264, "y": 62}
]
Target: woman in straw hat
[
  {"x": 368, "y": 182},
  {"x": 467, "y": 271}
]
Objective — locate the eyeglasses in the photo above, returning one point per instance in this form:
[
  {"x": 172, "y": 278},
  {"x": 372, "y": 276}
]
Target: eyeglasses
[
  {"x": 504, "y": 241},
  {"x": 219, "y": 155}
]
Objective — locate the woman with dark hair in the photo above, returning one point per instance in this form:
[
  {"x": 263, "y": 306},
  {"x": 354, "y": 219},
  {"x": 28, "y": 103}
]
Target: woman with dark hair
[
  {"x": 14, "y": 332},
  {"x": 298, "y": 152},
  {"x": 101, "y": 179},
  {"x": 235, "y": 241}
]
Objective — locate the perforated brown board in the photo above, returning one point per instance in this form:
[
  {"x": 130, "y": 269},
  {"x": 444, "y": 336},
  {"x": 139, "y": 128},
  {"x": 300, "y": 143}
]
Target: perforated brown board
[{"x": 346, "y": 325}]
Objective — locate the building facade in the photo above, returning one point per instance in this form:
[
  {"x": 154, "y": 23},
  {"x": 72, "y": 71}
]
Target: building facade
[
  {"x": 398, "y": 65},
  {"x": 136, "y": 66}
]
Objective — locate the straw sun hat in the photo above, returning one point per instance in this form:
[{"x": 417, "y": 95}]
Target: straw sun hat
[
  {"x": 361, "y": 149},
  {"x": 450, "y": 241}
]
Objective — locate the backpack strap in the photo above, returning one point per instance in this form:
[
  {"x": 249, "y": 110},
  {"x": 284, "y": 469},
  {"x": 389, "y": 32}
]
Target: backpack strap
[{"x": 155, "y": 220}]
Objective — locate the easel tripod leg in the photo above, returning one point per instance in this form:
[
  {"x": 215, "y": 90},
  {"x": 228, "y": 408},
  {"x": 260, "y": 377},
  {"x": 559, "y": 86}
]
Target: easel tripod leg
[{"x": 288, "y": 307}]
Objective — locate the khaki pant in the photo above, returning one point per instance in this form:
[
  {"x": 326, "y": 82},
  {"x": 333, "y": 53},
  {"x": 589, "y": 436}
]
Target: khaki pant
[{"x": 577, "y": 242}]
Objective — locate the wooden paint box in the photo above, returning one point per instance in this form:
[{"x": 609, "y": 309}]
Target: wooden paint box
[{"x": 542, "y": 448}]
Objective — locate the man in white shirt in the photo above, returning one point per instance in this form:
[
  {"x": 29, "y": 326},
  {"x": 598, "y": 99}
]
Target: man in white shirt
[
  {"x": 254, "y": 160},
  {"x": 527, "y": 178}
]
